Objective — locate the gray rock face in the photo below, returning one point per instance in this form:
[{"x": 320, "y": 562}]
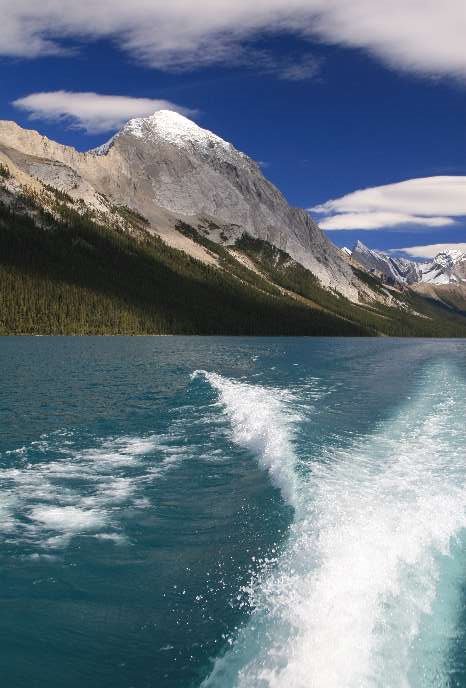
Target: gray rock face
[
  {"x": 189, "y": 171},
  {"x": 390, "y": 269},
  {"x": 167, "y": 163}
]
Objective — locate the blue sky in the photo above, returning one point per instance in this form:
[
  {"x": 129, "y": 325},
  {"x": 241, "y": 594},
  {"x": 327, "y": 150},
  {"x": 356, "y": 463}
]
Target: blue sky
[{"x": 325, "y": 118}]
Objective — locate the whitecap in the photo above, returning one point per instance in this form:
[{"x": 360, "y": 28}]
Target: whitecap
[{"x": 356, "y": 590}]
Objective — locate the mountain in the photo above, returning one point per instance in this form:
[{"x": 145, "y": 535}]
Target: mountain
[
  {"x": 448, "y": 267},
  {"x": 390, "y": 269},
  {"x": 168, "y": 229},
  {"x": 168, "y": 168}
]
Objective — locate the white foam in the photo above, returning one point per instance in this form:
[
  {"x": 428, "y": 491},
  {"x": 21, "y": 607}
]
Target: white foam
[
  {"x": 357, "y": 585},
  {"x": 7, "y": 510},
  {"x": 56, "y": 487},
  {"x": 115, "y": 538},
  {"x": 122, "y": 451},
  {"x": 68, "y": 518},
  {"x": 40, "y": 556},
  {"x": 262, "y": 421}
]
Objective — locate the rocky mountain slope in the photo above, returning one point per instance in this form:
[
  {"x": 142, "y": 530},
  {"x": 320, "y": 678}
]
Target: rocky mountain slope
[
  {"x": 64, "y": 272},
  {"x": 168, "y": 169},
  {"x": 448, "y": 267},
  {"x": 169, "y": 229}
]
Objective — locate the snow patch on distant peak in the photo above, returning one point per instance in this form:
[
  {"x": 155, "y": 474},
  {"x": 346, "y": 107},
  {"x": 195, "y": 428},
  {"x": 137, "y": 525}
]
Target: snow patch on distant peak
[
  {"x": 104, "y": 148},
  {"x": 391, "y": 268},
  {"x": 450, "y": 257},
  {"x": 447, "y": 267},
  {"x": 359, "y": 246}
]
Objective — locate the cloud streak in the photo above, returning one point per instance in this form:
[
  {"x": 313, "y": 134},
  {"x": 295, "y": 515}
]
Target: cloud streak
[
  {"x": 93, "y": 112},
  {"x": 429, "y": 251},
  {"x": 427, "y": 202},
  {"x": 422, "y": 37}
]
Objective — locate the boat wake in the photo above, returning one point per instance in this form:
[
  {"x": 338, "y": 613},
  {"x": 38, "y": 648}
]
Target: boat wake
[
  {"x": 54, "y": 490},
  {"x": 367, "y": 589}
]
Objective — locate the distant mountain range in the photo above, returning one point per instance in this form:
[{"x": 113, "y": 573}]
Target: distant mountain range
[
  {"x": 448, "y": 267},
  {"x": 167, "y": 228}
]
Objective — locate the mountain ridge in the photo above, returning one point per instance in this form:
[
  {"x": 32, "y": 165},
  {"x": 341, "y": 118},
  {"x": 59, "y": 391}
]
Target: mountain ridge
[
  {"x": 447, "y": 267},
  {"x": 166, "y": 182},
  {"x": 167, "y": 228}
]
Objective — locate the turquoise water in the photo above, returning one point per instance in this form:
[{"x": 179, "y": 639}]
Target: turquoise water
[{"x": 216, "y": 512}]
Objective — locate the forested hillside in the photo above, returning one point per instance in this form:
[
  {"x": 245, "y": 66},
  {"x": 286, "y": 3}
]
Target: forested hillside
[
  {"x": 77, "y": 277},
  {"x": 66, "y": 273}
]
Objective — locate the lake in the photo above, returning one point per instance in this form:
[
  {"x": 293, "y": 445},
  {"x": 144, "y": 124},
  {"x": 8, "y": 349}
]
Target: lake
[{"x": 178, "y": 512}]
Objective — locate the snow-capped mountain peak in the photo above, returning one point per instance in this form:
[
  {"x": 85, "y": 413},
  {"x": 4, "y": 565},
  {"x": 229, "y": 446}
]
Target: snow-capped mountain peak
[
  {"x": 449, "y": 257},
  {"x": 168, "y": 168},
  {"x": 174, "y": 128},
  {"x": 190, "y": 171},
  {"x": 391, "y": 269},
  {"x": 359, "y": 247},
  {"x": 447, "y": 267}
]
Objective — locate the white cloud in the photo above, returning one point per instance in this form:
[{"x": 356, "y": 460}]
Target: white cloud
[
  {"x": 429, "y": 251},
  {"x": 428, "y": 202},
  {"x": 379, "y": 220},
  {"x": 93, "y": 112},
  {"x": 298, "y": 69},
  {"x": 421, "y": 36}
]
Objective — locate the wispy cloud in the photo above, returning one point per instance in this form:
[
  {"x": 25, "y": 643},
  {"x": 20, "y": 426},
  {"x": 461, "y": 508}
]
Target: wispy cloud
[
  {"x": 92, "y": 112},
  {"x": 423, "y": 37},
  {"x": 294, "y": 68},
  {"x": 380, "y": 220},
  {"x": 427, "y": 202},
  {"x": 429, "y": 251},
  {"x": 234, "y": 54}
]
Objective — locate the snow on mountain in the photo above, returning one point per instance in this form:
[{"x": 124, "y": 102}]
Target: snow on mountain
[
  {"x": 177, "y": 129},
  {"x": 169, "y": 126},
  {"x": 104, "y": 148},
  {"x": 446, "y": 268},
  {"x": 168, "y": 169},
  {"x": 391, "y": 269},
  {"x": 171, "y": 162}
]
